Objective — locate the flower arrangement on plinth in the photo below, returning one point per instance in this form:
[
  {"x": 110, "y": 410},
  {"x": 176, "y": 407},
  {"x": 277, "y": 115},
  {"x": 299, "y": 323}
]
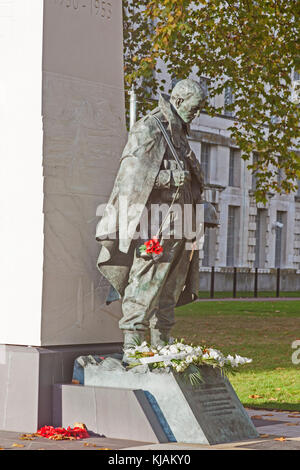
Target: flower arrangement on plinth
[{"x": 183, "y": 358}]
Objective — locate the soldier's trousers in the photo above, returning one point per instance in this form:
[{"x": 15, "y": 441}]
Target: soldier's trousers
[{"x": 154, "y": 287}]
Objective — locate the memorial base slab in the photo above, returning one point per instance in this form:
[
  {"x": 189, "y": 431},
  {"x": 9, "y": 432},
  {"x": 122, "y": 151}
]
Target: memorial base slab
[
  {"x": 155, "y": 406},
  {"x": 27, "y": 378}
]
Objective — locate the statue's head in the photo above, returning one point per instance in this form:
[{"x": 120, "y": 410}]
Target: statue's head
[{"x": 188, "y": 98}]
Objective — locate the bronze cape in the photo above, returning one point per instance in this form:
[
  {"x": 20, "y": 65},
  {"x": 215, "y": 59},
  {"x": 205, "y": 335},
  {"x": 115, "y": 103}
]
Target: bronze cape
[{"x": 140, "y": 164}]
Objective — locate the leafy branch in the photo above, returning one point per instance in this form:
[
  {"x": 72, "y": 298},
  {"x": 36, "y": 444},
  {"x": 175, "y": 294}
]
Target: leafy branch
[{"x": 251, "y": 47}]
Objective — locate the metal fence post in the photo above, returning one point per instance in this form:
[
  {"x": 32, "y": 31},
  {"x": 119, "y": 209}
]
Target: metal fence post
[
  {"x": 234, "y": 282},
  {"x": 278, "y": 283},
  {"x": 212, "y": 282},
  {"x": 255, "y": 282}
]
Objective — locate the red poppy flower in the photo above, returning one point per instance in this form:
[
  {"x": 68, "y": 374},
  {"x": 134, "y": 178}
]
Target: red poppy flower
[
  {"x": 152, "y": 246},
  {"x": 61, "y": 433}
]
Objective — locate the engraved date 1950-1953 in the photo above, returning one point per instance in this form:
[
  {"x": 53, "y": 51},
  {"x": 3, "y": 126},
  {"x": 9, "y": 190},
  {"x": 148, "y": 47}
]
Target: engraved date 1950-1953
[{"x": 100, "y": 8}]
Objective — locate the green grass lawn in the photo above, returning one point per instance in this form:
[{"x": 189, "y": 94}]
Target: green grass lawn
[
  {"x": 246, "y": 294},
  {"x": 263, "y": 331}
]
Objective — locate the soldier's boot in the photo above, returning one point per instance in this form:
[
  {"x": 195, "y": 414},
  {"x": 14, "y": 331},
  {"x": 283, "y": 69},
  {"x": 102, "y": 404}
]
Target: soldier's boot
[
  {"x": 159, "y": 337},
  {"x": 132, "y": 338}
]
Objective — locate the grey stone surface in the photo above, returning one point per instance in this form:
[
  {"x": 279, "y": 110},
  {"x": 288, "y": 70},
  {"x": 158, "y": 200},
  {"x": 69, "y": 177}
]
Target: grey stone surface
[
  {"x": 267, "y": 442},
  {"x": 209, "y": 413},
  {"x": 26, "y": 382},
  {"x": 113, "y": 412},
  {"x": 110, "y": 362},
  {"x": 18, "y": 406},
  {"x": 79, "y": 127},
  {"x": 84, "y": 133},
  {"x": 94, "y": 442},
  {"x": 272, "y": 445},
  {"x": 68, "y": 114}
]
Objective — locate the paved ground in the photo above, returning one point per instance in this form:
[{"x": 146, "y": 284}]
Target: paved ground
[{"x": 278, "y": 431}]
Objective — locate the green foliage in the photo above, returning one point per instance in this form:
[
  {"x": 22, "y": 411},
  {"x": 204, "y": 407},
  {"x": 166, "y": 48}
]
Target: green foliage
[
  {"x": 192, "y": 375},
  {"x": 138, "y": 32},
  {"x": 263, "y": 331},
  {"x": 251, "y": 47}
]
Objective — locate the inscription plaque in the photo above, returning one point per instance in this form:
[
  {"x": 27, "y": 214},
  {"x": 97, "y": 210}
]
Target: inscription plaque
[
  {"x": 99, "y": 8},
  {"x": 82, "y": 39},
  {"x": 217, "y": 408}
]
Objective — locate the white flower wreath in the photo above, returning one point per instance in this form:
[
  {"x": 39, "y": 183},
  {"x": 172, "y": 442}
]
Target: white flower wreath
[{"x": 183, "y": 358}]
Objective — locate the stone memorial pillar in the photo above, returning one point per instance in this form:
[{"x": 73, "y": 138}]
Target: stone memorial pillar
[{"x": 62, "y": 127}]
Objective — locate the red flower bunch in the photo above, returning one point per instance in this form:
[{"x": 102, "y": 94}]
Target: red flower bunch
[
  {"x": 152, "y": 246},
  {"x": 58, "y": 434}
]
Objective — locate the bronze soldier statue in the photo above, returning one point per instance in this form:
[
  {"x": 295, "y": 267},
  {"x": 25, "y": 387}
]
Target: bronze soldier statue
[{"x": 157, "y": 167}]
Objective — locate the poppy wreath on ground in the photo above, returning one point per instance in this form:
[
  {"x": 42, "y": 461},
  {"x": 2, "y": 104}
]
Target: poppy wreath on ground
[{"x": 58, "y": 434}]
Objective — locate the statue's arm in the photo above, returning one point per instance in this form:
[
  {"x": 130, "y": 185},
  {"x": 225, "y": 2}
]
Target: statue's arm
[
  {"x": 196, "y": 169},
  {"x": 197, "y": 177}
]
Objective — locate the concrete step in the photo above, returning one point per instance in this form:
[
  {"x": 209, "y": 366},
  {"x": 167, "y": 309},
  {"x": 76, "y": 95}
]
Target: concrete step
[{"x": 112, "y": 412}]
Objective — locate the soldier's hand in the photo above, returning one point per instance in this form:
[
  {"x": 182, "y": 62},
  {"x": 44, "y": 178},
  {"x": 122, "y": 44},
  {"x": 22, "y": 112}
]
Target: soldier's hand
[
  {"x": 163, "y": 180},
  {"x": 180, "y": 177}
]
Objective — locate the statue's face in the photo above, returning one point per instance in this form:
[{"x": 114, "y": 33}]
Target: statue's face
[{"x": 189, "y": 108}]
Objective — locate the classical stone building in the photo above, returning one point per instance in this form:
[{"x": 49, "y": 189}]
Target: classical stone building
[{"x": 250, "y": 235}]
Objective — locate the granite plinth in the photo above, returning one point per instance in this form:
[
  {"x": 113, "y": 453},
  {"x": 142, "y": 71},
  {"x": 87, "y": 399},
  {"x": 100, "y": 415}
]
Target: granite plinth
[
  {"x": 63, "y": 130},
  {"x": 27, "y": 378},
  {"x": 209, "y": 413}
]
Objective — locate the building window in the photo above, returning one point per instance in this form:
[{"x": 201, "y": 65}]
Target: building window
[
  {"x": 228, "y": 102},
  {"x": 204, "y": 82},
  {"x": 280, "y": 238},
  {"x": 206, "y": 85},
  {"x": 260, "y": 235},
  {"x": 279, "y": 176},
  {"x": 233, "y": 229},
  {"x": 205, "y": 160},
  {"x": 234, "y": 168},
  {"x": 209, "y": 246}
]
